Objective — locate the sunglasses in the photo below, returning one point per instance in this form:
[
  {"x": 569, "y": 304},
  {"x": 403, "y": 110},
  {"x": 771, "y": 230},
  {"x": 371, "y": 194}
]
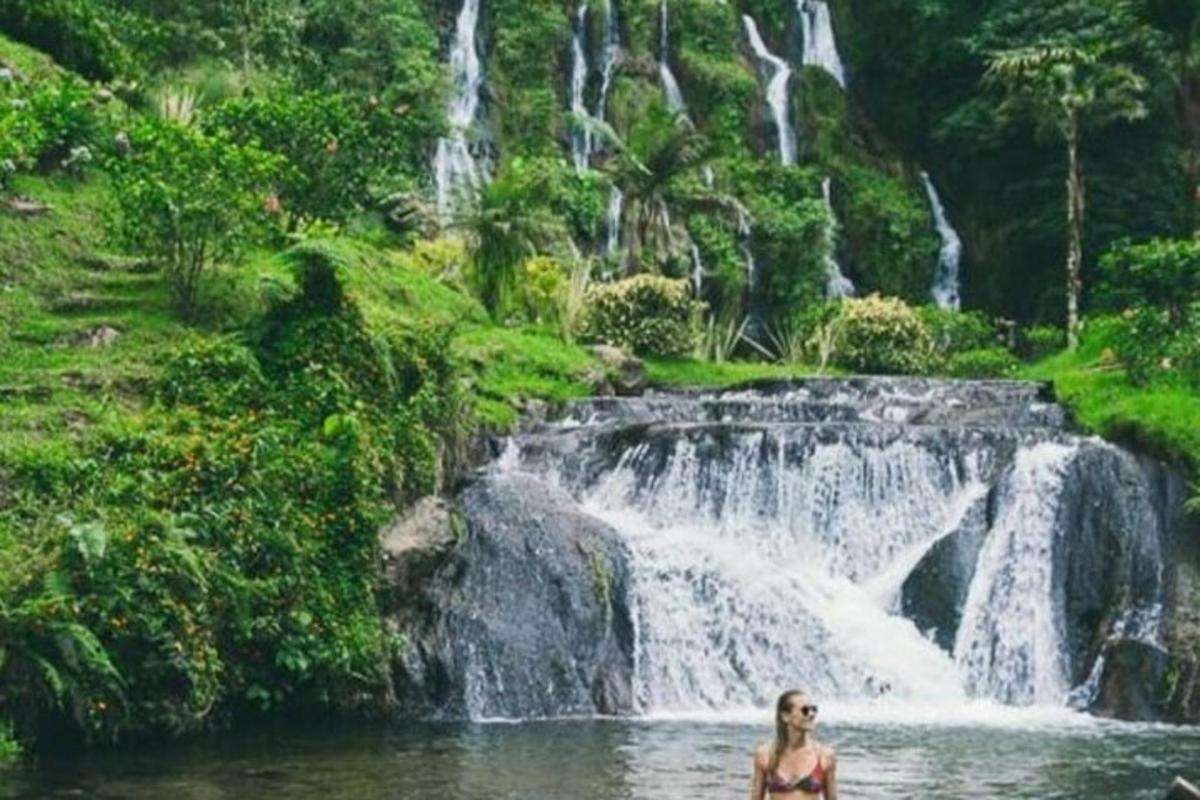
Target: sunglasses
[{"x": 808, "y": 711}]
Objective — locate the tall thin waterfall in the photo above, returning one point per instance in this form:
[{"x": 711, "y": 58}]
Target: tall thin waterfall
[
  {"x": 675, "y": 101},
  {"x": 456, "y": 171},
  {"x": 800, "y": 530},
  {"x": 777, "y": 74},
  {"x": 581, "y": 135},
  {"x": 946, "y": 281},
  {"x": 836, "y": 283},
  {"x": 610, "y": 55},
  {"x": 820, "y": 46},
  {"x": 744, "y": 233},
  {"x": 616, "y": 206}
]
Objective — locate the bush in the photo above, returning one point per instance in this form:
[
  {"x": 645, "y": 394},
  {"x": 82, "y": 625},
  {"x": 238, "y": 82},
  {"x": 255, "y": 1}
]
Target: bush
[
  {"x": 217, "y": 376},
  {"x": 1152, "y": 348},
  {"x": 1163, "y": 272},
  {"x": 881, "y": 335},
  {"x": 1038, "y": 341},
  {"x": 952, "y": 332},
  {"x": 988, "y": 362},
  {"x": 191, "y": 200},
  {"x": 646, "y": 314},
  {"x": 544, "y": 287},
  {"x": 324, "y": 139},
  {"x": 44, "y": 123}
]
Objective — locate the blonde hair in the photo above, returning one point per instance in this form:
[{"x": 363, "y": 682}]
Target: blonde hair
[{"x": 781, "y": 728}]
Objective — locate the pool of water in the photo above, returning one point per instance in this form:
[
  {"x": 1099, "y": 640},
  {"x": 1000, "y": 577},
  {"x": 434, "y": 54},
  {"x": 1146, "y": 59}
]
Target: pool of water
[{"x": 639, "y": 759}]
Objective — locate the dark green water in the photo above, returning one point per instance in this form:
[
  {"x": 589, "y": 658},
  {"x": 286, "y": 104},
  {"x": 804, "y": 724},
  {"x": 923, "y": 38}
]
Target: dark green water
[{"x": 624, "y": 760}]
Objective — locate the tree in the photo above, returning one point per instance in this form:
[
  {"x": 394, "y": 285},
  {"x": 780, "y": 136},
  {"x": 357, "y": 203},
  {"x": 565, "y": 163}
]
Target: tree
[
  {"x": 1180, "y": 20},
  {"x": 1066, "y": 89},
  {"x": 504, "y": 224},
  {"x": 192, "y": 201},
  {"x": 660, "y": 149}
]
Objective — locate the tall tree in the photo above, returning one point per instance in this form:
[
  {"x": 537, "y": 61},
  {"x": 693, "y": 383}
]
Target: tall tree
[
  {"x": 659, "y": 151},
  {"x": 1065, "y": 90},
  {"x": 1180, "y": 20}
]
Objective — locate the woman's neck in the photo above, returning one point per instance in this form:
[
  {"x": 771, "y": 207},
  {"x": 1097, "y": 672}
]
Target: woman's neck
[{"x": 798, "y": 740}]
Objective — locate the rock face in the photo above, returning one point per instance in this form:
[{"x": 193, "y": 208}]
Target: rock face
[{"x": 517, "y": 609}]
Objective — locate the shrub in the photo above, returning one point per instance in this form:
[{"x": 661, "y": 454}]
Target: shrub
[
  {"x": 217, "y": 376},
  {"x": 43, "y": 123},
  {"x": 544, "y": 287},
  {"x": 881, "y": 335},
  {"x": 647, "y": 314},
  {"x": 952, "y": 332},
  {"x": 1039, "y": 341},
  {"x": 323, "y": 138},
  {"x": 191, "y": 200},
  {"x": 1162, "y": 272},
  {"x": 987, "y": 362},
  {"x": 1152, "y": 348}
]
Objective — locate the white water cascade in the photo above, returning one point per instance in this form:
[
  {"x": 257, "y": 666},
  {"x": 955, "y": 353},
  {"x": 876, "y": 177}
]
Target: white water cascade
[
  {"x": 581, "y": 135},
  {"x": 610, "y": 55},
  {"x": 777, "y": 74},
  {"x": 791, "y": 535},
  {"x": 820, "y": 46},
  {"x": 836, "y": 283},
  {"x": 674, "y": 96},
  {"x": 616, "y": 207},
  {"x": 947, "y": 281},
  {"x": 456, "y": 170}
]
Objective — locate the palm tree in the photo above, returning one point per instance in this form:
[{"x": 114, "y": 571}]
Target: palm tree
[
  {"x": 661, "y": 148},
  {"x": 505, "y": 223}
]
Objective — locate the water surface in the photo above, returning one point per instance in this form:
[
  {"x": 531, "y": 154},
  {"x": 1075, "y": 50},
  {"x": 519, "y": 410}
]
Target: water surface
[{"x": 648, "y": 759}]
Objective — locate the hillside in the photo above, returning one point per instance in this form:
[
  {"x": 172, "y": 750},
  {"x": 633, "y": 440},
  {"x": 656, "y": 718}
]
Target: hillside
[{"x": 267, "y": 277}]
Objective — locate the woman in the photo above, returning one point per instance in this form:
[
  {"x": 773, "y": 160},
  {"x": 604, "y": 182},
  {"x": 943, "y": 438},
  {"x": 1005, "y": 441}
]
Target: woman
[{"x": 794, "y": 766}]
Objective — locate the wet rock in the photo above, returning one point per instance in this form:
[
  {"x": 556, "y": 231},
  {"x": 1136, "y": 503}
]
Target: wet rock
[
  {"x": 520, "y": 612},
  {"x": 1133, "y": 671},
  {"x": 626, "y": 373}
]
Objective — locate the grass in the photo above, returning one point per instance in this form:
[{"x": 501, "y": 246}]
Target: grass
[
  {"x": 26, "y": 61},
  {"x": 680, "y": 373},
  {"x": 1162, "y": 419}
]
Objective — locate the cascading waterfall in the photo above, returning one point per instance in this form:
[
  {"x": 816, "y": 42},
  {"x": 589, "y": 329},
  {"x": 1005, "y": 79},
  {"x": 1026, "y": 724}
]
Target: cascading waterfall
[
  {"x": 581, "y": 135},
  {"x": 456, "y": 170},
  {"x": 820, "y": 46},
  {"x": 836, "y": 283},
  {"x": 744, "y": 233},
  {"x": 675, "y": 101},
  {"x": 777, "y": 74},
  {"x": 610, "y": 55},
  {"x": 946, "y": 282},
  {"x": 775, "y": 535},
  {"x": 616, "y": 205}
]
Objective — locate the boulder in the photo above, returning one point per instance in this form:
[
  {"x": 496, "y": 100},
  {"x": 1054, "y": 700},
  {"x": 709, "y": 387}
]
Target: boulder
[
  {"x": 627, "y": 374},
  {"x": 520, "y": 610},
  {"x": 1133, "y": 670}
]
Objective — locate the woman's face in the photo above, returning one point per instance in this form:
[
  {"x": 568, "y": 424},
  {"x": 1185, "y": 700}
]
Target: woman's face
[{"x": 799, "y": 712}]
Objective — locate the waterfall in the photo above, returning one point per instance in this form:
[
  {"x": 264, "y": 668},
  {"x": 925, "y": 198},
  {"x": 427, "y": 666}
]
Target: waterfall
[
  {"x": 697, "y": 267},
  {"x": 790, "y": 533},
  {"x": 581, "y": 135},
  {"x": 456, "y": 171},
  {"x": 675, "y": 101},
  {"x": 836, "y": 284},
  {"x": 946, "y": 282},
  {"x": 777, "y": 74},
  {"x": 1009, "y": 642},
  {"x": 820, "y": 46},
  {"x": 744, "y": 232},
  {"x": 610, "y": 54},
  {"x": 616, "y": 205}
]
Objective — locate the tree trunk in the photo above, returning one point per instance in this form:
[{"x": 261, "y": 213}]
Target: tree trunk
[{"x": 1075, "y": 213}]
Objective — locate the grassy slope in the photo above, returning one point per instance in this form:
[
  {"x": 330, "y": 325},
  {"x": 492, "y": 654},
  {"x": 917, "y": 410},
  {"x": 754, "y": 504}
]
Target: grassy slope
[{"x": 1164, "y": 420}]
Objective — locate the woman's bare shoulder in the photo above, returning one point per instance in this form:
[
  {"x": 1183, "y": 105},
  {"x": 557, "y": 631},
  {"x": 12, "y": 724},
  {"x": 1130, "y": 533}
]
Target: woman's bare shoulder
[
  {"x": 828, "y": 753},
  {"x": 762, "y": 753}
]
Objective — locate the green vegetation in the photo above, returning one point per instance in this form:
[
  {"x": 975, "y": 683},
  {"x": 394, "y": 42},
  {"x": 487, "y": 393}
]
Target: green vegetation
[{"x": 234, "y": 337}]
